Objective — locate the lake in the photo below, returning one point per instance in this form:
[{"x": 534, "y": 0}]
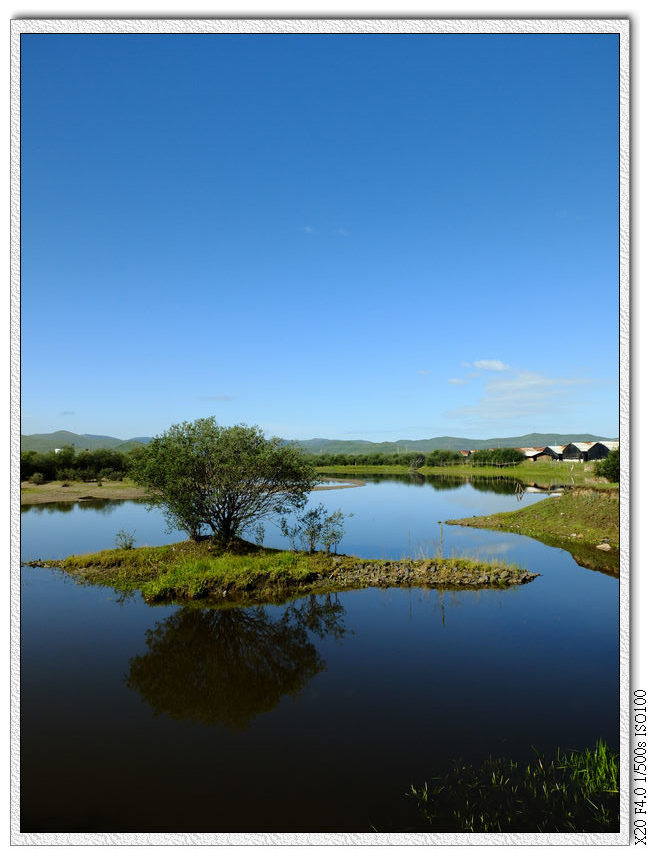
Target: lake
[{"x": 312, "y": 716}]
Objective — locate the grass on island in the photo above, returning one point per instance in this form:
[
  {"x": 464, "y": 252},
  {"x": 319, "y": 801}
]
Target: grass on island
[
  {"x": 573, "y": 792},
  {"x": 246, "y": 573}
]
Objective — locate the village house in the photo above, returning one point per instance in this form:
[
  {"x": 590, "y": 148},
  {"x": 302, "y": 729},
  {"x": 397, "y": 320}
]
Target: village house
[{"x": 572, "y": 452}]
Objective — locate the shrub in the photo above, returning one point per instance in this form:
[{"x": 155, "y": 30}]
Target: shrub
[
  {"x": 124, "y": 540},
  {"x": 610, "y": 467},
  {"x": 315, "y": 527},
  {"x": 37, "y": 478}
]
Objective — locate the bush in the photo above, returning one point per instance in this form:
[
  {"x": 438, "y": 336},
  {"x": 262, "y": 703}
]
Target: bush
[
  {"x": 37, "y": 478},
  {"x": 610, "y": 467},
  {"x": 498, "y": 457},
  {"x": 124, "y": 540}
]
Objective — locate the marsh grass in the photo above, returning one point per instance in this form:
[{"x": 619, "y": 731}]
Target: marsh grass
[{"x": 571, "y": 792}]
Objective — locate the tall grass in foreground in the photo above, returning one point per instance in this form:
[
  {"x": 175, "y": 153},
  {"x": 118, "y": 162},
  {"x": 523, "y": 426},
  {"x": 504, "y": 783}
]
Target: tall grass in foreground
[{"x": 574, "y": 792}]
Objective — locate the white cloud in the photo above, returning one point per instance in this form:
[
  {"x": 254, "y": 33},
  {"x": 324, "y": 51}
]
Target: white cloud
[
  {"x": 493, "y": 365},
  {"x": 523, "y": 394},
  {"x": 457, "y": 381},
  {"x": 424, "y": 372},
  {"x": 219, "y": 398}
]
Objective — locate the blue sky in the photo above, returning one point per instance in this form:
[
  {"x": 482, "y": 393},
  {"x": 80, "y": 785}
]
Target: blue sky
[{"x": 371, "y": 236}]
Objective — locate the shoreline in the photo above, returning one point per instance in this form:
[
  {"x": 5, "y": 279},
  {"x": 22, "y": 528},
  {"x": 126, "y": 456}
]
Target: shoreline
[{"x": 583, "y": 521}]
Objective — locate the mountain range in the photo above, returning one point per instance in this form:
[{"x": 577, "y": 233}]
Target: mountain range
[{"x": 44, "y": 442}]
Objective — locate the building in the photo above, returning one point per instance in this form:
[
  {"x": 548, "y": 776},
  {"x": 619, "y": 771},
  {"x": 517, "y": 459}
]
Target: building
[
  {"x": 554, "y": 452},
  {"x": 533, "y": 454},
  {"x": 577, "y": 451}
]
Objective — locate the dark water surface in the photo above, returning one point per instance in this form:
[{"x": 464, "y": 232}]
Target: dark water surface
[{"x": 317, "y": 715}]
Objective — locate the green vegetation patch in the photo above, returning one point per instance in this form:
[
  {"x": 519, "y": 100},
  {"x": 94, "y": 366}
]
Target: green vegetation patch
[
  {"x": 580, "y": 521},
  {"x": 245, "y": 573},
  {"x": 541, "y": 473},
  {"x": 582, "y": 514},
  {"x": 573, "y": 792}
]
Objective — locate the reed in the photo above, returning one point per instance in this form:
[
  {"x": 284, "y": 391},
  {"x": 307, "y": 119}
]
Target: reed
[{"x": 571, "y": 792}]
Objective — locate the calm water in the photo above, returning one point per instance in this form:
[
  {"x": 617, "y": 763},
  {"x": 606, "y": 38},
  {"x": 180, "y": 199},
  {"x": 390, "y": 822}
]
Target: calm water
[{"x": 313, "y": 716}]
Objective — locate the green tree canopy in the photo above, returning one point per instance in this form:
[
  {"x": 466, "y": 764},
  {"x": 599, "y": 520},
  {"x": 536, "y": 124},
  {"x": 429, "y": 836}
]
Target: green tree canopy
[{"x": 227, "y": 478}]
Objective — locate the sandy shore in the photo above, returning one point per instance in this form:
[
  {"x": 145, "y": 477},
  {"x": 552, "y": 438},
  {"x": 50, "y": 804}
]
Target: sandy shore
[{"x": 76, "y": 491}]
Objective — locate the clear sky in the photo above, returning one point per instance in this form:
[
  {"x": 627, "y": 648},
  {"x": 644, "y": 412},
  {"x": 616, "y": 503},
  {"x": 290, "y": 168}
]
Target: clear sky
[{"x": 342, "y": 236}]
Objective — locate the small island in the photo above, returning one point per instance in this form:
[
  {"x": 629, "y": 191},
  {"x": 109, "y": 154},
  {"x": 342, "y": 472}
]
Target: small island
[{"x": 244, "y": 573}]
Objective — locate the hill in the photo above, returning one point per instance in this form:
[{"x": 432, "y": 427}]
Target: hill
[
  {"x": 41, "y": 443},
  {"x": 44, "y": 442}
]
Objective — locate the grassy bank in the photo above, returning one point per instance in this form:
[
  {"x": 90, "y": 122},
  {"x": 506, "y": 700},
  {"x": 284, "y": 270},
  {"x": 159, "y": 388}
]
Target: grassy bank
[
  {"x": 74, "y": 491},
  {"x": 580, "y": 520},
  {"x": 248, "y": 574},
  {"x": 574, "y": 792},
  {"x": 540, "y": 473}
]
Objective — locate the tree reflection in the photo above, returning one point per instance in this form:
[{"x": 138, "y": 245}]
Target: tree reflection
[
  {"x": 503, "y": 486},
  {"x": 225, "y": 666},
  {"x": 89, "y": 504}
]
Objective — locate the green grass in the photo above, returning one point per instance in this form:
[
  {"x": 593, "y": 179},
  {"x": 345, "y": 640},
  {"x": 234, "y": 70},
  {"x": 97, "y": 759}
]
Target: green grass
[
  {"x": 571, "y": 792},
  {"x": 245, "y": 573},
  {"x": 541, "y": 473},
  {"x": 582, "y": 514}
]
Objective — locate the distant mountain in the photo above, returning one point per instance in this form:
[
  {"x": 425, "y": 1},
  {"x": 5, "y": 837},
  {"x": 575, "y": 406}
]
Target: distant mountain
[
  {"x": 451, "y": 443},
  {"x": 41, "y": 443},
  {"x": 44, "y": 442}
]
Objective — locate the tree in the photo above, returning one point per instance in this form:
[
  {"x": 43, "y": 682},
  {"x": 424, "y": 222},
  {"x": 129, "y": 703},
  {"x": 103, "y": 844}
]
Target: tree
[
  {"x": 227, "y": 478},
  {"x": 610, "y": 467}
]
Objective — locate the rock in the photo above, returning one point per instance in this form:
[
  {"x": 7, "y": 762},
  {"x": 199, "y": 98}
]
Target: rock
[{"x": 605, "y": 547}]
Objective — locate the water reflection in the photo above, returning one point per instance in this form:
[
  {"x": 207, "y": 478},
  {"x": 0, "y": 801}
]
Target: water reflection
[
  {"x": 89, "y": 504},
  {"x": 503, "y": 486},
  {"x": 227, "y": 666}
]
